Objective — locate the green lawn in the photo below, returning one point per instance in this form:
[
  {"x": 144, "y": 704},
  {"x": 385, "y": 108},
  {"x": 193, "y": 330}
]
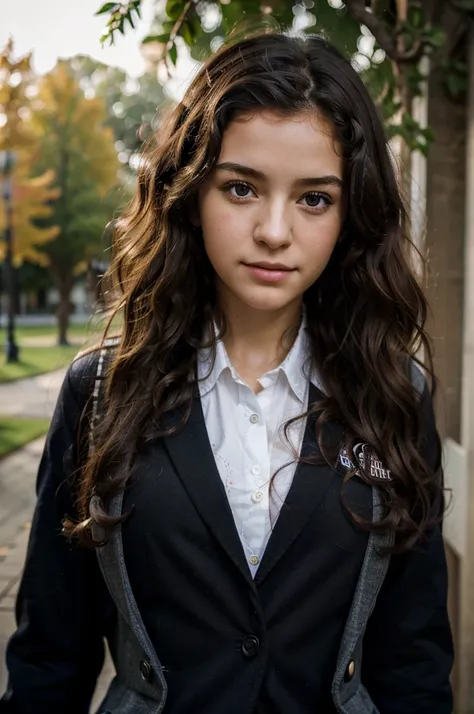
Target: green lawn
[
  {"x": 17, "y": 432},
  {"x": 49, "y": 330},
  {"x": 39, "y": 359},
  {"x": 92, "y": 327},
  {"x": 36, "y": 360}
]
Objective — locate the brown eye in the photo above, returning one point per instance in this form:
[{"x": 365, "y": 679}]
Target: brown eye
[
  {"x": 316, "y": 200},
  {"x": 239, "y": 190}
]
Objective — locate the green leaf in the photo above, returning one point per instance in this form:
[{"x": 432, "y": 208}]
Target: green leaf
[
  {"x": 416, "y": 17},
  {"x": 174, "y": 8},
  {"x": 435, "y": 37},
  {"x": 130, "y": 19},
  {"x": 173, "y": 54},
  {"x": 108, "y": 7},
  {"x": 187, "y": 33},
  {"x": 162, "y": 39}
]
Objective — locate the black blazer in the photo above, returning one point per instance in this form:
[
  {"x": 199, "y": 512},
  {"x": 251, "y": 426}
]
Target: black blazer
[{"x": 228, "y": 643}]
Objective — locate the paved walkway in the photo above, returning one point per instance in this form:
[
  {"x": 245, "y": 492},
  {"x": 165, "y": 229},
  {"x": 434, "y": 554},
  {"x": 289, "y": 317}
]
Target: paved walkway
[
  {"x": 17, "y": 499},
  {"x": 31, "y": 397}
]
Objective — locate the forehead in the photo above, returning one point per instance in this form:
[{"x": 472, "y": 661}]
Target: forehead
[{"x": 303, "y": 144}]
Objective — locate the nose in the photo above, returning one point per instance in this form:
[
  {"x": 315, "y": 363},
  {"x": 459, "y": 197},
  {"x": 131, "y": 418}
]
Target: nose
[{"x": 273, "y": 226}]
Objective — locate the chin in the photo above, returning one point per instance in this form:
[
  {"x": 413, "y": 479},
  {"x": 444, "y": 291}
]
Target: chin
[{"x": 267, "y": 303}]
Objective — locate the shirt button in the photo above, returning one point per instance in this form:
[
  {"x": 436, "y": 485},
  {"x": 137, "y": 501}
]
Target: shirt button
[
  {"x": 253, "y": 418},
  {"x": 253, "y": 560},
  {"x": 257, "y": 496},
  {"x": 256, "y": 470}
]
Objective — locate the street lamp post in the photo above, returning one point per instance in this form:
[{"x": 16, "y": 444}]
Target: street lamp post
[{"x": 7, "y": 162}]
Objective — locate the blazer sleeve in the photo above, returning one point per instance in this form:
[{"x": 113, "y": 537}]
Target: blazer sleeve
[
  {"x": 408, "y": 649},
  {"x": 56, "y": 653}
]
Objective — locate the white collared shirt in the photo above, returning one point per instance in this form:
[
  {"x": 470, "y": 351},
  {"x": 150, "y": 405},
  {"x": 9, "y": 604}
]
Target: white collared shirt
[{"x": 247, "y": 438}]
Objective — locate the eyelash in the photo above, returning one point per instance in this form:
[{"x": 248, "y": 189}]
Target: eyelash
[{"x": 312, "y": 209}]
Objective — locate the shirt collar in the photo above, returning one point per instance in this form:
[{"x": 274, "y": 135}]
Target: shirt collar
[
  {"x": 295, "y": 367},
  {"x": 209, "y": 373}
]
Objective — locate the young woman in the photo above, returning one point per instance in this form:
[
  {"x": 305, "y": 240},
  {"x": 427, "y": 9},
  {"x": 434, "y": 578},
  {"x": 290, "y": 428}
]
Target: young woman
[{"x": 252, "y": 517}]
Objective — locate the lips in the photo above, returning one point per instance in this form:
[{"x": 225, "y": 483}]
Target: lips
[
  {"x": 269, "y": 272},
  {"x": 270, "y": 266}
]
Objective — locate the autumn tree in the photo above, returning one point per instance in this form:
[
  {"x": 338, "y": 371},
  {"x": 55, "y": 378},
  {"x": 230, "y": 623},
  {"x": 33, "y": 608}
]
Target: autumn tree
[
  {"x": 75, "y": 143},
  {"x": 30, "y": 195},
  {"x": 31, "y": 201},
  {"x": 26, "y": 197}
]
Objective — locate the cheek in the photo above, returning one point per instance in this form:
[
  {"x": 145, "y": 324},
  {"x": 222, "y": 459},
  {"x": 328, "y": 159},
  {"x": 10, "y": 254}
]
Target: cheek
[
  {"x": 221, "y": 231},
  {"x": 320, "y": 243},
  {"x": 219, "y": 236}
]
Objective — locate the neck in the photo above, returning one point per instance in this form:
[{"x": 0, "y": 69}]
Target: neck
[{"x": 258, "y": 340}]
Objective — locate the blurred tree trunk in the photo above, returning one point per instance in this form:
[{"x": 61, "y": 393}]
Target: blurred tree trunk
[
  {"x": 74, "y": 143},
  {"x": 445, "y": 235},
  {"x": 64, "y": 284}
]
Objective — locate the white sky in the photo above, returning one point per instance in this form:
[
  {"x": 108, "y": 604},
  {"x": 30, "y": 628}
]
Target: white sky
[{"x": 62, "y": 28}]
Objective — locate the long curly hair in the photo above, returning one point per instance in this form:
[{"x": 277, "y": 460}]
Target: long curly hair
[{"x": 366, "y": 312}]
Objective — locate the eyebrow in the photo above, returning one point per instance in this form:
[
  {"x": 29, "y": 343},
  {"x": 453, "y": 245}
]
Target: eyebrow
[{"x": 248, "y": 172}]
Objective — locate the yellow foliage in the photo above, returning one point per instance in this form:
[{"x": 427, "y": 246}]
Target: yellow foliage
[
  {"x": 78, "y": 125},
  {"x": 29, "y": 202},
  {"x": 13, "y": 99},
  {"x": 64, "y": 134}
]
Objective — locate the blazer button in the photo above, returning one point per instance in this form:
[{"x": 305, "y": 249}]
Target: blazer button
[
  {"x": 250, "y": 646},
  {"x": 351, "y": 669},
  {"x": 146, "y": 670}
]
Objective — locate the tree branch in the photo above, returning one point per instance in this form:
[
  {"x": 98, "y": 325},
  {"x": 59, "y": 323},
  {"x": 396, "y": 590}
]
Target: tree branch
[
  {"x": 180, "y": 20},
  {"x": 175, "y": 31}
]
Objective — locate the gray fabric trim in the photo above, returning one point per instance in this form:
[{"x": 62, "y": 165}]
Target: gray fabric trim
[
  {"x": 112, "y": 564},
  {"x": 374, "y": 569},
  {"x": 122, "y": 699},
  {"x": 417, "y": 377},
  {"x": 360, "y": 702}
]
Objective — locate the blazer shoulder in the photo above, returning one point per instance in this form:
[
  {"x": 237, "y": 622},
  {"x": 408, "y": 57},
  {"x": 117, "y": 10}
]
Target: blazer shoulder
[{"x": 88, "y": 366}]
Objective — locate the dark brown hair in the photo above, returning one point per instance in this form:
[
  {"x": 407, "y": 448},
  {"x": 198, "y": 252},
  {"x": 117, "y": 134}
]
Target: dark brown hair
[{"x": 366, "y": 312}]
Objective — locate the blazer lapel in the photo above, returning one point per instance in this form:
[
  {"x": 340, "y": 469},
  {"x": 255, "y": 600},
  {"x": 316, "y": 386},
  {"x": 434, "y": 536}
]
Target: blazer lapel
[
  {"x": 191, "y": 453},
  {"x": 310, "y": 484}
]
